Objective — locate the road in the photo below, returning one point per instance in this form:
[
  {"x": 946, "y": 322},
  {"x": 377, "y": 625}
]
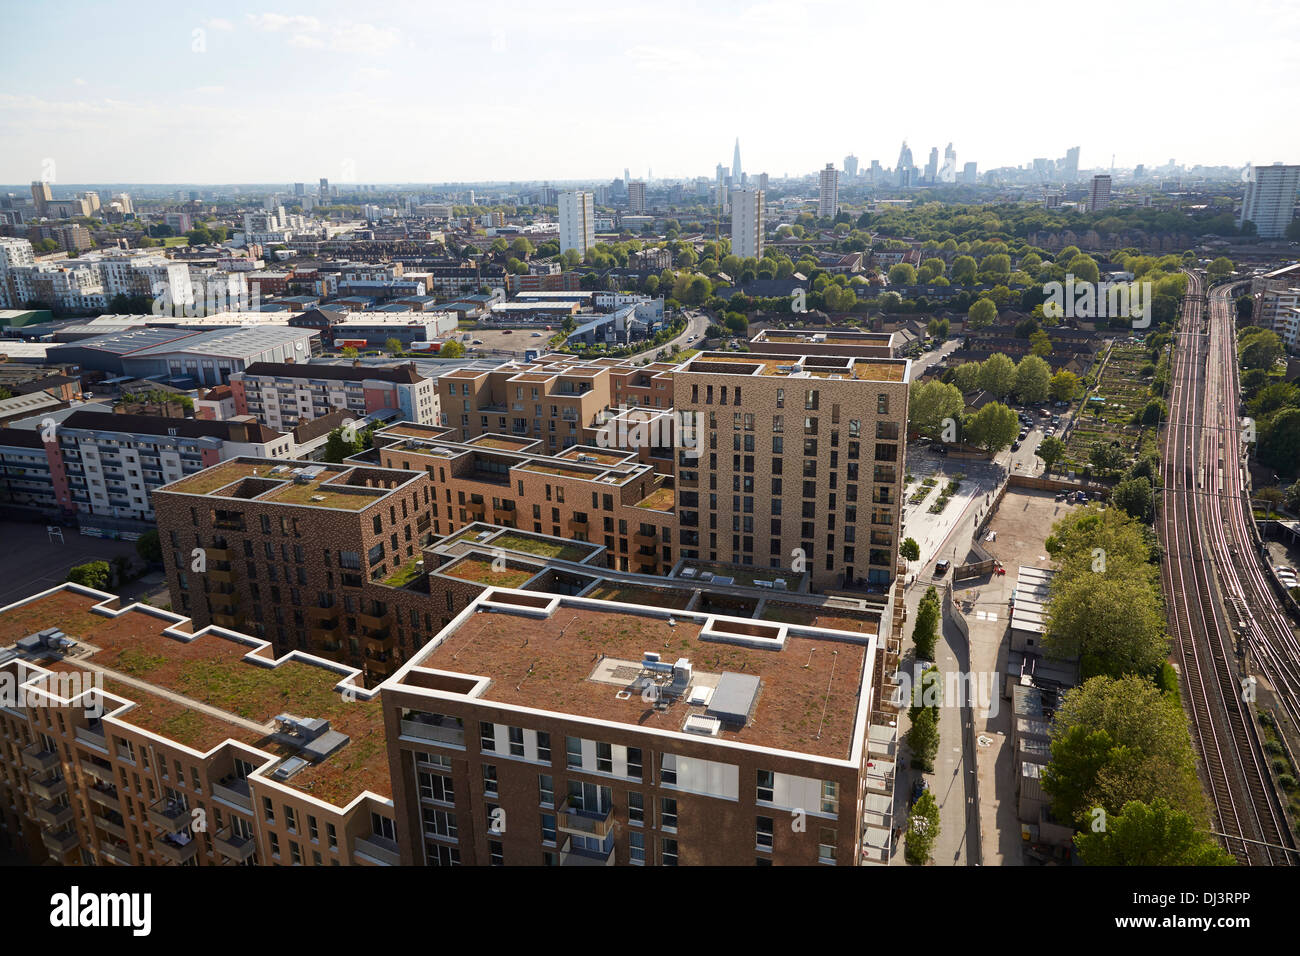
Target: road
[{"x": 696, "y": 323}]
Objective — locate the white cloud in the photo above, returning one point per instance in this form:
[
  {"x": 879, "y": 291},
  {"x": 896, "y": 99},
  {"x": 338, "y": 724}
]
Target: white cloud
[
  {"x": 219, "y": 23},
  {"x": 209, "y": 89},
  {"x": 311, "y": 33}
]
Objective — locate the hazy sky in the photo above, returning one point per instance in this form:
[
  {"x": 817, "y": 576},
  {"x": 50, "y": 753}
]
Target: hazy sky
[{"x": 556, "y": 89}]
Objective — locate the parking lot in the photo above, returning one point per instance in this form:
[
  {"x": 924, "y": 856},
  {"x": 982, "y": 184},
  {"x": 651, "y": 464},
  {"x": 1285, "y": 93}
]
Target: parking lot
[
  {"x": 32, "y": 562},
  {"x": 509, "y": 341}
]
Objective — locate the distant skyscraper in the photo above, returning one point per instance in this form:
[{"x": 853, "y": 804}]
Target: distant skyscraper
[
  {"x": 904, "y": 172},
  {"x": 828, "y": 203},
  {"x": 722, "y": 174},
  {"x": 300, "y": 189},
  {"x": 636, "y": 197},
  {"x": 876, "y": 173},
  {"x": 324, "y": 187},
  {"x": 1071, "y": 171},
  {"x": 747, "y": 222},
  {"x": 577, "y": 221},
  {"x": 948, "y": 172},
  {"x": 1270, "y": 199},
  {"x": 735, "y": 163},
  {"x": 970, "y": 174},
  {"x": 932, "y": 166},
  {"x": 41, "y": 195},
  {"x": 850, "y": 166},
  {"x": 1099, "y": 195},
  {"x": 762, "y": 181}
]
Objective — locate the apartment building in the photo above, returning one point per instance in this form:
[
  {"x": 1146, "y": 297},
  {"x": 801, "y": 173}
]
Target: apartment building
[
  {"x": 1270, "y": 199},
  {"x": 174, "y": 767},
  {"x": 747, "y": 211},
  {"x": 577, "y": 221},
  {"x": 280, "y": 394},
  {"x": 289, "y": 547},
  {"x": 828, "y": 196},
  {"x": 585, "y": 493},
  {"x": 704, "y": 754},
  {"x": 836, "y": 507},
  {"x": 707, "y": 755}
]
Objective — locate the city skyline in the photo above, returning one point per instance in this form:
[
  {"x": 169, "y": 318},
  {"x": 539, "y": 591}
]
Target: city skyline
[{"x": 237, "y": 78}]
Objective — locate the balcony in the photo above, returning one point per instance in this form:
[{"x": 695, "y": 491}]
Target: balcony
[
  {"x": 218, "y": 554},
  {"x": 571, "y": 857},
  {"x": 108, "y": 824},
  {"x": 174, "y": 850},
  {"x": 37, "y": 758},
  {"x": 47, "y": 787},
  {"x": 378, "y": 850},
  {"x": 234, "y": 791},
  {"x": 93, "y": 735},
  {"x": 585, "y": 822},
  {"x": 376, "y": 623},
  {"x": 579, "y": 526},
  {"x": 115, "y": 854},
  {"x": 645, "y": 541},
  {"x": 170, "y": 816},
  {"x": 381, "y": 643},
  {"x": 223, "y": 577},
  {"x": 53, "y": 814},
  {"x": 230, "y": 621},
  {"x": 100, "y": 771},
  {"x": 234, "y": 846},
  {"x": 60, "y": 842},
  {"x": 105, "y": 796}
]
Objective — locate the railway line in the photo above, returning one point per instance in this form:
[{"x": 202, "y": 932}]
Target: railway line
[{"x": 1207, "y": 570}]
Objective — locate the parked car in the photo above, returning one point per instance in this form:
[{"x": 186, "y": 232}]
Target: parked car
[
  {"x": 941, "y": 567},
  {"x": 918, "y": 789},
  {"x": 1015, "y": 445}
]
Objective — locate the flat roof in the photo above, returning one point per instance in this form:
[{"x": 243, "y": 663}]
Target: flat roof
[
  {"x": 200, "y": 691},
  {"x": 578, "y": 656},
  {"x": 328, "y": 485}
]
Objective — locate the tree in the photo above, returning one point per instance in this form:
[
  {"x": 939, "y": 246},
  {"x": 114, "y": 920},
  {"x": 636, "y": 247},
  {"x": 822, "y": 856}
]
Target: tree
[
  {"x": 1033, "y": 379},
  {"x": 451, "y": 349},
  {"x": 1220, "y": 267},
  {"x": 1118, "y": 740},
  {"x": 1040, "y": 343},
  {"x": 998, "y": 375},
  {"x": 393, "y": 346},
  {"x": 148, "y": 547},
  {"x": 922, "y": 830},
  {"x": 1051, "y": 449},
  {"x": 963, "y": 270},
  {"x": 909, "y": 550},
  {"x": 1260, "y": 349},
  {"x": 966, "y": 376},
  {"x": 1112, "y": 621},
  {"x": 902, "y": 274},
  {"x": 1084, "y": 268},
  {"x": 993, "y": 428},
  {"x": 1065, "y": 386},
  {"x": 343, "y": 443},
  {"x": 736, "y": 322},
  {"x": 1150, "y": 835},
  {"x": 925, "y": 630},
  {"x": 923, "y": 738},
  {"x": 92, "y": 574},
  {"x": 931, "y": 404},
  {"x": 1279, "y": 441},
  {"x": 982, "y": 313},
  {"x": 1134, "y": 497},
  {"x": 1106, "y": 457},
  {"x": 348, "y": 351},
  {"x": 1153, "y": 413}
]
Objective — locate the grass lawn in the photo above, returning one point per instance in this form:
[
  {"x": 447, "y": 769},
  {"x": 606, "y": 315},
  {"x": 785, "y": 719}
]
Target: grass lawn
[{"x": 541, "y": 547}]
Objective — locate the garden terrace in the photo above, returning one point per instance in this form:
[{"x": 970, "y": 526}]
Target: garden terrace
[
  {"x": 821, "y": 616},
  {"x": 661, "y": 499},
  {"x": 478, "y": 568},
  {"x": 202, "y": 691},
  {"x": 501, "y": 442}
]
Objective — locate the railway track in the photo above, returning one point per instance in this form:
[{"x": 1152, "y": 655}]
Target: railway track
[{"x": 1200, "y": 545}]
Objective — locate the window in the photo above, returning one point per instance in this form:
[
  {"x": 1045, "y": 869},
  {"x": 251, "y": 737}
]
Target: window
[
  {"x": 439, "y": 823},
  {"x": 332, "y": 835},
  {"x": 635, "y": 808},
  {"x": 668, "y": 855},
  {"x": 487, "y": 736},
  {"x": 763, "y": 833},
  {"x": 546, "y": 789},
  {"x": 435, "y": 786},
  {"x": 290, "y": 819},
  {"x": 275, "y": 844},
  {"x": 634, "y": 763},
  {"x": 382, "y": 827},
  {"x": 604, "y": 758},
  {"x": 312, "y": 830},
  {"x": 269, "y": 810},
  {"x": 667, "y": 813},
  {"x": 826, "y": 846},
  {"x": 668, "y": 770},
  {"x": 830, "y": 796},
  {"x": 496, "y": 854},
  {"x": 766, "y": 786},
  {"x": 636, "y": 847},
  {"x": 548, "y": 828},
  {"x": 543, "y": 746},
  {"x": 573, "y": 745},
  {"x": 490, "y": 779},
  {"x": 516, "y": 741}
]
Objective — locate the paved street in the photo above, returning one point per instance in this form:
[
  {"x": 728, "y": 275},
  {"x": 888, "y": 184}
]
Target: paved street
[{"x": 31, "y": 562}]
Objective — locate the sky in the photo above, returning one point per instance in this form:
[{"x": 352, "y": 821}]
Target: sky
[{"x": 394, "y": 92}]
